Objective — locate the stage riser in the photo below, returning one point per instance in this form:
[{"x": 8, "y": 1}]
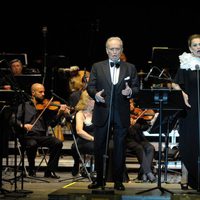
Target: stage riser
[
  {"x": 145, "y": 198},
  {"x": 66, "y": 160},
  {"x": 123, "y": 197},
  {"x": 107, "y": 197},
  {"x": 117, "y": 197}
]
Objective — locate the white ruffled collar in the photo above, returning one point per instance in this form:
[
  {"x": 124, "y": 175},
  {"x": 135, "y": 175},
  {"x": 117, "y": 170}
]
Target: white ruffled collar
[{"x": 188, "y": 61}]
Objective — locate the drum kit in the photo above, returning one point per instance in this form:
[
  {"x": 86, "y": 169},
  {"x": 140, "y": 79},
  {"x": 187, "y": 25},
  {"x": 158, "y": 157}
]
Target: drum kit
[
  {"x": 156, "y": 81},
  {"x": 141, "y": 73}
]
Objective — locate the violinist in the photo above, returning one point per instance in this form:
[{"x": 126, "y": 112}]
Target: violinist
[
  {"x": 34, "y": 124},
  {"x": 137, "y": 144}
]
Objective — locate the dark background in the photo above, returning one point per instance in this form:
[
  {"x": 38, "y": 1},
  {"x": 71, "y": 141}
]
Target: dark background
[{"x": 76, "y": 32}]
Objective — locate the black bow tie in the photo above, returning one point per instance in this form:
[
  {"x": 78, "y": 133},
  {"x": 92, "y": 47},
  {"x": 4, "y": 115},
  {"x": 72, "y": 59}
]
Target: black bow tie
[{"x": 117, "y": 64}]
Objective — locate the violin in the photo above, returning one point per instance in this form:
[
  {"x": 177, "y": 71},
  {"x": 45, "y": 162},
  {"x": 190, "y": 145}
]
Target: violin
[
  {"x": 50, "y": 104},
  {"x": 147, "y": 114},
  {"x": 138, "y": 113},
  {"x": 46, "y": 104}
]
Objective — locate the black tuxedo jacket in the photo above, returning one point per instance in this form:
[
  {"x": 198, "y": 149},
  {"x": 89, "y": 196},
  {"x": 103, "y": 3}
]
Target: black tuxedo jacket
[{"x": 100, "y": 78}]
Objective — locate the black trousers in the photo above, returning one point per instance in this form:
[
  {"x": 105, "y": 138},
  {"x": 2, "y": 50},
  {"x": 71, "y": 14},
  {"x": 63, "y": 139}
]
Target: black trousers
[
  {"x": 84, "y": 147},
  {"x": 144, "y": 152},
  {"x": 31, "y": 143},
  {"x": 118, "y": 158}
]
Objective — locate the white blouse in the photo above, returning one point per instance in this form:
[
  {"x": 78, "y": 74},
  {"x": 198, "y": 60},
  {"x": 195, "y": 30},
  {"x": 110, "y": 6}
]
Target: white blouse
[{"x": 188, "y": 61}]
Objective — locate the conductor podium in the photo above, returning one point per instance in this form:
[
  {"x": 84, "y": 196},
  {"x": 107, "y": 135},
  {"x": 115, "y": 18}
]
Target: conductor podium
[{"x": 160, "y": 100}]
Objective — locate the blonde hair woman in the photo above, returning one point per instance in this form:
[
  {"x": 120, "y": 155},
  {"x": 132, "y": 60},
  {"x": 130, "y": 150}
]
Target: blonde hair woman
[{"x": 84, "y": 129}]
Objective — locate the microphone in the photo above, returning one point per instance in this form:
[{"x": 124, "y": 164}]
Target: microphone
[
  {"x": 147, "y": 76},
  {"x": 197, "y": 67}
]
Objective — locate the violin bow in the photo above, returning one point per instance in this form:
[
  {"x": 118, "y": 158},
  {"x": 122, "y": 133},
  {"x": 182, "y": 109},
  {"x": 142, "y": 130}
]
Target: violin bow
[
  {"x": 42, "y": 111},
  {"x": 140, "y": 114}
]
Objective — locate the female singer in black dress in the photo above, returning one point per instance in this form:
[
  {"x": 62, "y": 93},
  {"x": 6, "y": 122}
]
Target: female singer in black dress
[{"x": 186, "y": 80}]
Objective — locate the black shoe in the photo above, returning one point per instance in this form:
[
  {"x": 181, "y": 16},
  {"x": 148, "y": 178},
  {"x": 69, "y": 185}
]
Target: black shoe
[
  {"x": 49, "y": 174},
  {"x": 95, "y": 185},
  {"x": 139, "y": 177},
  {"x": 32, "y": 173},
  {"x": 184, "y": 186},
  {"x": 151, "y": 177},
  {"x": 93, "y": 176},
  {"x": 144, "y": 178},
  {"x": 119, "y": 186}
]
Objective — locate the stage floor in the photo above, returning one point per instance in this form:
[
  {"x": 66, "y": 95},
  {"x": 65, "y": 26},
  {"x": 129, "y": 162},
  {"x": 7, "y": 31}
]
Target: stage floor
[
  {"x": 78, "y": 190},
  {"x": 69, "y": 188}
]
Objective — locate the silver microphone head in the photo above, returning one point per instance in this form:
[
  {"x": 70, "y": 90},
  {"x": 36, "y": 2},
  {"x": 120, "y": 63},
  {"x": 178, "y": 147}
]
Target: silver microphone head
[{"x": 197, "y": 67}]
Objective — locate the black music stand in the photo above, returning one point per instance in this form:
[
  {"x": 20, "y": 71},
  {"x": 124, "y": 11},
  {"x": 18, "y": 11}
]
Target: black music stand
[
  {"x": 169, "y": 122},
  {"x": 10, "y": 96},
  {"x": 167, "y": 58},
  {"x": 160, "y": 99},
  {"x": 5, "y": 101},
  {"x": 25, "y": 81}
]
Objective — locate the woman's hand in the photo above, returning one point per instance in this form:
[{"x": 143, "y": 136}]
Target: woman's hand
[
  {"x": 186, "y": 99},
  {"x": 185, "y": 96}
]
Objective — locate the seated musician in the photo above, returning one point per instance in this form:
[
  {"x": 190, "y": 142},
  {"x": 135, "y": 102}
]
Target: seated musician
[
  {"x": 138, "y": 144},
  {"x": 16, "y": 69},
  {"x": 33, "y": 119},
  {"x": 84, "y": 130}
]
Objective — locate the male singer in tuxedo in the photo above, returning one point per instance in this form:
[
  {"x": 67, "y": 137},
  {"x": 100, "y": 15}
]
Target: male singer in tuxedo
[{"x": 111, "y": 84}]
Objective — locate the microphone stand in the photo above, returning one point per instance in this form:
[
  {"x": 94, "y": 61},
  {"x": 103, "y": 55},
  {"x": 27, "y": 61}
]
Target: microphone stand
[
  {"x": 63, "y": 100},
  {"x": 52, "y": 79},
  {"x": 72, "y": 109},
  {"x": 105, "y": 156},
  {"x": 44, "y": 31},
  {"x": 20, "y": 95},
  {"x": 2, "y": 190},
  {"x": 198, "y": 100}
]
